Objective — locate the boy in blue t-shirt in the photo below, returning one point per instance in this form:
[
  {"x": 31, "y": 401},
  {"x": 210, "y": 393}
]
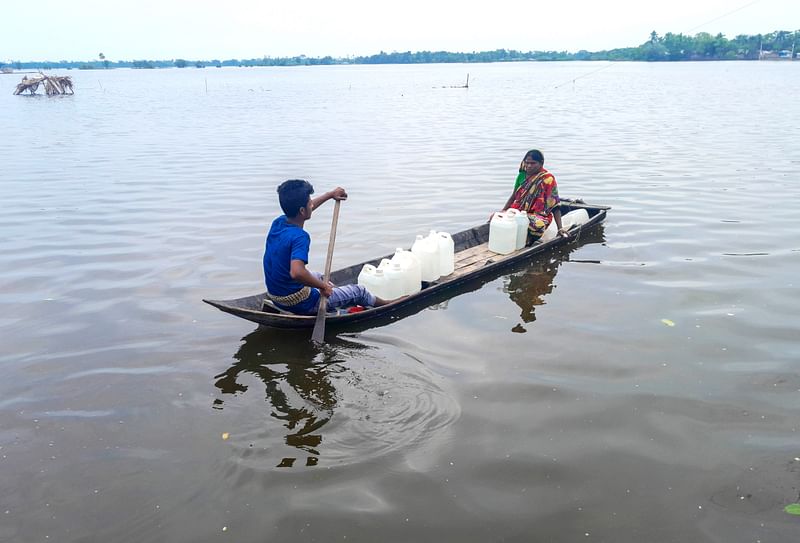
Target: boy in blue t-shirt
[{"x": 290, "y": 286}]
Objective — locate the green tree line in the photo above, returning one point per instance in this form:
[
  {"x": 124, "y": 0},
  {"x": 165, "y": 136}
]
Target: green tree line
[
  {"x": 667, "y": 48},
  {"x": 704, "y": 46}
]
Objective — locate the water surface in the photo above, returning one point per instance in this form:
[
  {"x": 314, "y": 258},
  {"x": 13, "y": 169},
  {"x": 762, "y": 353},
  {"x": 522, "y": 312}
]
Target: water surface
[{"x": 550, "y": 403}]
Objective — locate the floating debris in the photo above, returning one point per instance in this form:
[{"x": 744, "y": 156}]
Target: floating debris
[
  {"x": 53, "y": 85},
  {"x": 793, "y": 508},
  {"x": 668, "y": 322},
  {"x": 225, "y": 436}
]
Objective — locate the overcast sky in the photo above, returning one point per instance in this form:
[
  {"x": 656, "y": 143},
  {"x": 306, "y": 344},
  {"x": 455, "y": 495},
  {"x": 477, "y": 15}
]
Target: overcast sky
[{"x": 222, "y": 29}]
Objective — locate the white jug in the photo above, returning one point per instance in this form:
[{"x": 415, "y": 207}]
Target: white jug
[
  {"x": 395, "y": 281},
  {"x": 427, "y": 250},
  {"x": 447, "y": 257},
  {"x": 550, "y": 232},
  {"x": 384, "y": 266},
  {"x": 433, "y": 239},
  {"x": 568, "y": 220},
  {"x": 411, "y": 268},
  {"x": 575, "y": 217},
  {"x": 502, "y": 234},
  {"x": 521, "y": 218},
  {"x": 373, "y": 280}
]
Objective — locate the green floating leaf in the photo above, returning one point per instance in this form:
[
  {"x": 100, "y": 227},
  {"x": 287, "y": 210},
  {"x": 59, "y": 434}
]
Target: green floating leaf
[
  {"x": 793, "y": 508},
  {"x": 668, "y": 322}
]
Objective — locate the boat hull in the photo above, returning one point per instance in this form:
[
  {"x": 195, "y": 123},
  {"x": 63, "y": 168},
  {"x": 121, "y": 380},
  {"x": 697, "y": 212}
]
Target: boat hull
[{"x": 473, "y": 261}]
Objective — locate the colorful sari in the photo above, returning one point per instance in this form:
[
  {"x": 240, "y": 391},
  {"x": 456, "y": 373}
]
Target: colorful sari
[{"x": 538, "y": 195}]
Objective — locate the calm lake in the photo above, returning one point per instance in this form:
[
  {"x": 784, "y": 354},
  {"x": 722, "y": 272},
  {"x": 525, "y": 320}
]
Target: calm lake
[{"x": 640, "y": 385}]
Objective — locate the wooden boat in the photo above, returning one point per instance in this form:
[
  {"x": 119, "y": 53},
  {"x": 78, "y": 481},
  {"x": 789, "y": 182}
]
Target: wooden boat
[{"x": 472, "y": 261}]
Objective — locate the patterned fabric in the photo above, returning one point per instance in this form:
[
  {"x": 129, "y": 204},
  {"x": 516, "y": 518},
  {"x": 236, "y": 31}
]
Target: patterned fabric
[
  {"x": 292, "y": 299},
  {"x": 519, "y": 180},
  {"x": 538, "y": 195}
]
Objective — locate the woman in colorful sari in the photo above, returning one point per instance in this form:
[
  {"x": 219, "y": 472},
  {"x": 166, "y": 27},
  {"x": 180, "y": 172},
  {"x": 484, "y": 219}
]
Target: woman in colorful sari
[{"x": 536, "y": 192}]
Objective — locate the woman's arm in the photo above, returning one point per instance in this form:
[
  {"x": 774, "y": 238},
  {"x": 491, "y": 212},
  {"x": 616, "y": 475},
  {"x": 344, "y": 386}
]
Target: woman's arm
[
  {"x": 557, "y": 218},
  {"x": 510, "y": 201}
]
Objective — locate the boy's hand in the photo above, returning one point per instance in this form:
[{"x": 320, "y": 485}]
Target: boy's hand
[
  {"x": 339, "y": 194},
  {"x": 327, "y": 290}
]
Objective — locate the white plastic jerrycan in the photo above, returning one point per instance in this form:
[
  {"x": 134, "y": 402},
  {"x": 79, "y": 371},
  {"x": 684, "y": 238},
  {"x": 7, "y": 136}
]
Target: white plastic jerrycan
[
  {"x": 447, "y": 257},
  {"x": 373, "y": 280},
  {"x": 575, "y": 217},
  {"x": 427, "y": 251},
  {"x": 502, "y": 233},
  {"x": 550, "y": 232},
  {"x": 395, "y": 281},
  {"x": 412, "y": 270},
  {"x": 521, "y": 219},
  {"x": 433, "y": 239}
]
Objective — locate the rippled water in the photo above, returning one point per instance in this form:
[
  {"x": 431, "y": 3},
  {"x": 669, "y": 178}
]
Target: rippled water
[{"x": 551, "y": 403}]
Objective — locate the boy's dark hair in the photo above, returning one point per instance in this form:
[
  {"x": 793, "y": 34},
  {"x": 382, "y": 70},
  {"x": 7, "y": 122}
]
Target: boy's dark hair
[{"x": 293, "y": 194}]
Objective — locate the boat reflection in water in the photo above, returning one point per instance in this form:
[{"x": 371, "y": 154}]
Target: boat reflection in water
[
  {"x": 369, "y": 392},
  {"x": 297, "y": 379},
  {"x": 528, "y": 285}
]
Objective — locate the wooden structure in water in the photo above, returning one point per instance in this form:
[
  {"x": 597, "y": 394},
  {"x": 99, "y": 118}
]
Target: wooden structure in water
[{"x": 53, "y": 84}]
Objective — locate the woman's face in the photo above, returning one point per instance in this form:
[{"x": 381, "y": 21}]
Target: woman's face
[{"x": 532, "y": 167}]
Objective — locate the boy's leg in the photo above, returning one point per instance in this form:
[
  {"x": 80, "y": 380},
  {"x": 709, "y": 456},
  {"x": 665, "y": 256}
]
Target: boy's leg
[{"x": 350, "y": 295}]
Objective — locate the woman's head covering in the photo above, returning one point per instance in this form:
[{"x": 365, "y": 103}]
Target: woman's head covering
[{"x": 535, "y": 154}]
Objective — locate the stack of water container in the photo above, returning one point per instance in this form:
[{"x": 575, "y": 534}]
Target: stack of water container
[{"x": 430, "y": 257}]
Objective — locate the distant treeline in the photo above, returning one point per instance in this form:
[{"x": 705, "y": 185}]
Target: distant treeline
[{"x": 670, "y": 47}]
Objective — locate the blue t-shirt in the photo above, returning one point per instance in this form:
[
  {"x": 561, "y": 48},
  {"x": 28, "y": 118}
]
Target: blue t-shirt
[{"x": 287, "y": 242}]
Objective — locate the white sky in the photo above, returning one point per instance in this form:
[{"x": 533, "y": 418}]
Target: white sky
[{"x": 207, "y": 29}]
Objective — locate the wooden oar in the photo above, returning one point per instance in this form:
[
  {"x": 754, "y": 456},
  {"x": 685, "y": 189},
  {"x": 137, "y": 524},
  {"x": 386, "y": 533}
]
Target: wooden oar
[{"x": 318, "y": 335}]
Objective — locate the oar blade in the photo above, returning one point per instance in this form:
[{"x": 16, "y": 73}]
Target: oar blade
[{"x": 318, "y": 335}]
